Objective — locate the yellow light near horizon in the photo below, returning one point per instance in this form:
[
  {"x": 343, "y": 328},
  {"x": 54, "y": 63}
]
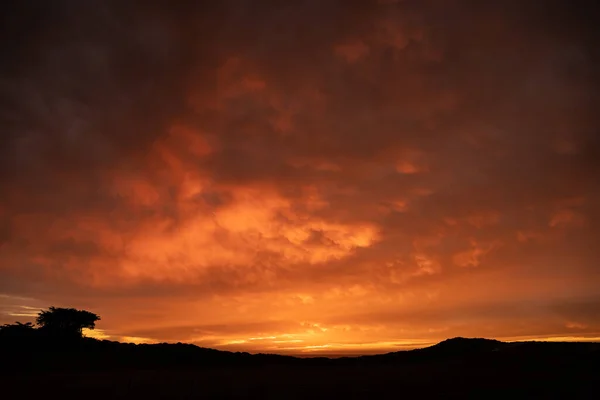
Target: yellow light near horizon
[
  {"x": 592, "y": 339},
  {"x": 99, "y": 334}
]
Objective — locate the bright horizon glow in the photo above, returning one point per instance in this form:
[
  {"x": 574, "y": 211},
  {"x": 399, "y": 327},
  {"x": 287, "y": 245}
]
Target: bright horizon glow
[{"x": 335, "y": 349}]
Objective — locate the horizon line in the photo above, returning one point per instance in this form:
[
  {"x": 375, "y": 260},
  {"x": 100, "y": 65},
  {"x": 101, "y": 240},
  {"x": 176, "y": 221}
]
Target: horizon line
[{"x": 354, "y": 349}]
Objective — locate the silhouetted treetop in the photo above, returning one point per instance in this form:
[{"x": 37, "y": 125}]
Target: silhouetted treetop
[
  {"x": 66, "y": 321},
  {"x": 17, "y": 329}
]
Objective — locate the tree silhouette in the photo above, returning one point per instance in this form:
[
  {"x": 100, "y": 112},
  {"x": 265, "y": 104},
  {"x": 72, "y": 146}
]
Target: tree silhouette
[
  {"x": 66, "y": 321},
  {"x": 18, "y": 330}
]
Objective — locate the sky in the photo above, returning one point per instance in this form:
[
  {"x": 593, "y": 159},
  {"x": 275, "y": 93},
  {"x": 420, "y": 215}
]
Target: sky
[{"x": 302, "y": 177}]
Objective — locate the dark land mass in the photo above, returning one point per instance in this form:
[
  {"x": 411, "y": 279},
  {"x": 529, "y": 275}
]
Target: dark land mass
[{"x": 36, "y": 366}]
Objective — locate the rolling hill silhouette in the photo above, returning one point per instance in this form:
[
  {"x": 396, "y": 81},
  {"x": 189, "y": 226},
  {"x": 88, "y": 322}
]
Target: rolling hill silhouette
[
  {"x": 32, "y": 352},
  {"x": 453, "y": 368}
]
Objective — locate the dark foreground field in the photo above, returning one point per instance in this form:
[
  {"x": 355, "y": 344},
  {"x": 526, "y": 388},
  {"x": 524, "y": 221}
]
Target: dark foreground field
[
  {"x": 453, "y": 369},
  {"x": 441, "y": 381}
]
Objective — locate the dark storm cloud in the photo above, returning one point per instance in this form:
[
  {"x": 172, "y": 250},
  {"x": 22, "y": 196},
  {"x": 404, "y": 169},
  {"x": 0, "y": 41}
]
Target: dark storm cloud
[{"x": 86, "y": 87}]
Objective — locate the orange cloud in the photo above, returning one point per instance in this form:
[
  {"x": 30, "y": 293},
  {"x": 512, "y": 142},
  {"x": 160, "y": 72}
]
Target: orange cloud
[
  {"x": 352, "y": 52},
  {"x": 566, "y": 218},
  {"x": 473, "y": 256},
  {"x": 366, "y": 179}
]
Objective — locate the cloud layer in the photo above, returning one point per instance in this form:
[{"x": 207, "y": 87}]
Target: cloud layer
[{"x": 303, "y": 176}]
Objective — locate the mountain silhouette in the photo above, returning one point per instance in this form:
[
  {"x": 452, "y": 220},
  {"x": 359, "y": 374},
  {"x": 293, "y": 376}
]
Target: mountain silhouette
[
  {"x": 89, "y": 352},
  {"x": 454, "y": 368},
  {"x": 467, "y": 345}
]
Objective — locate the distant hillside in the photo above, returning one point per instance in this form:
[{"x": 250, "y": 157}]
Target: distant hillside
[
  {"x": 467, "y": 345},
  {"x": 456, "y": 368},
  {"x": 40, "y": 353}
]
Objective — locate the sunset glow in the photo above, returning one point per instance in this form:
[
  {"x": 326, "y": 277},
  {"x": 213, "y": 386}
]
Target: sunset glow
[{"x": 310, "y": 178}]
